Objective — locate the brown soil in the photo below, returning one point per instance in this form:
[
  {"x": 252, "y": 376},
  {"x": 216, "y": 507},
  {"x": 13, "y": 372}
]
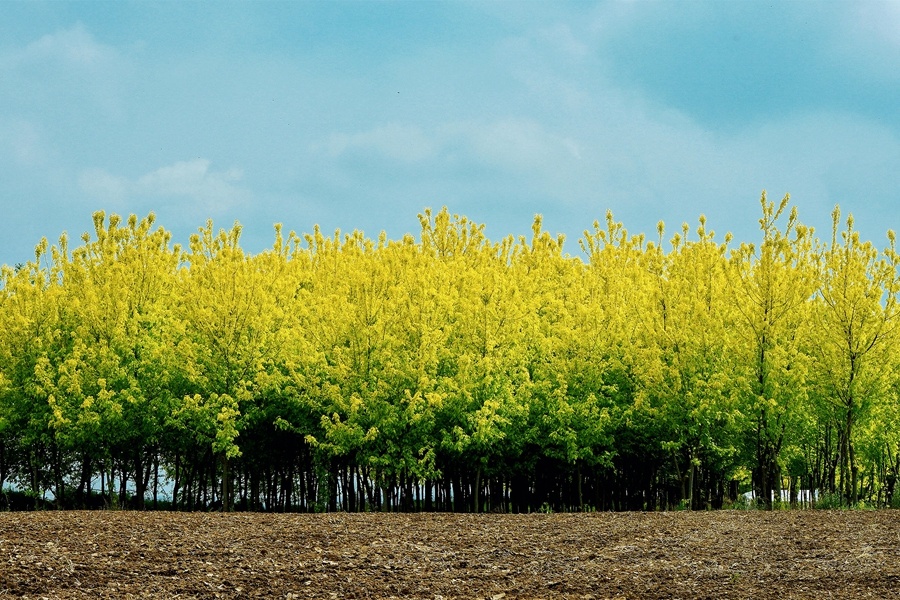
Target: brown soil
[{"x": 800, "y": 554}]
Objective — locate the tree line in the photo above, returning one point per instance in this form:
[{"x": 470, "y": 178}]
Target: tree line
[{"x": 451, "y": 372}]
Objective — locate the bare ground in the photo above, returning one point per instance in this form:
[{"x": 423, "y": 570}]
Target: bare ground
[{"x": 791, "y": 554}]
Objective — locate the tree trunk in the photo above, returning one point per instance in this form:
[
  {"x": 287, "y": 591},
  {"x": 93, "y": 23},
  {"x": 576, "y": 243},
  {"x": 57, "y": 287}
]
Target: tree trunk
[
  {"x": 84, "y": 489},
  {"x": 477, "y": 490},
  {"x": 580, "y": 488},
  {"x": 690, "y": 497},
  {"x": 226, "y": 484},
  {"x": 155, "y": 480},
  {"x": 139, "y": 489}
]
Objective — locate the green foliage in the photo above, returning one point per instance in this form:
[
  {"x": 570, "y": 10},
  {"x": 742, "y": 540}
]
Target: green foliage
[{"x": 451, "y": 371}]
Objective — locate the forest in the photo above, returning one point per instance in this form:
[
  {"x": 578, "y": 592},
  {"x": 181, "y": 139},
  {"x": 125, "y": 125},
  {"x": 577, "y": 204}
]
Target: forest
[{"x": 450, "y": 372}]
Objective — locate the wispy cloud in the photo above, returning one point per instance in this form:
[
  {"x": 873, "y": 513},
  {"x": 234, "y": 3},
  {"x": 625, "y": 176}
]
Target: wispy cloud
[
  {"x": 190, "y": 182},
  {"x": 23, "y": 142},
  {"x": 505, "y": 148},
  {"x": 109, "y": 189},
  {"x": 655, "y": 110},
  {"x": 871, "y": 37},
  {"x": 194, "y": 180},
  {"x": 515, "y": 144},
  {"x": 74, "y": 47},
  {"x": 404, "y": 143},
  {"x": 59, "y": 71}
]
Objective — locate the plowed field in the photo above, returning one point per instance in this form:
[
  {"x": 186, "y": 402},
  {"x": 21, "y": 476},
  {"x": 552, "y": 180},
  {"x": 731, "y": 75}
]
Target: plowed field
[{"x": 799, "y": 554}]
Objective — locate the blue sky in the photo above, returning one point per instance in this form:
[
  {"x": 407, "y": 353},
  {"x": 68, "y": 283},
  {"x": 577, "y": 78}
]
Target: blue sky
[{"x": 357, "y": 115}]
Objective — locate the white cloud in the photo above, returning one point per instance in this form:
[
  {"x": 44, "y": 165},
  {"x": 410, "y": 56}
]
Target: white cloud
[
  {"x": 74, "y": 47},
  {"x": 506, "y": 145},
  {"x": 23, "y": 142},
  {"x": 881, "y": 19},
  {"x": 865, "y": 41},
  {"x": 600, "y": 144},
  {"x": 834, "y": 157},
  {"x": 402, "y": 143},
  {"x": 59, "y": 71},
  {"x": 516, "y": 144},
  {"x": 642, "y": 160},
  {"x": 560, "y": 38},
  {"x": 571, "y": 137},
  {"x": 192, "y": 181},
  {"x": 101, "y": 185}
]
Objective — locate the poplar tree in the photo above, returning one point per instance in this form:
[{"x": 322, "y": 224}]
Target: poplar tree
[
  {"x": 856, "y": 316},
  {"x": 771, "y": 285}
]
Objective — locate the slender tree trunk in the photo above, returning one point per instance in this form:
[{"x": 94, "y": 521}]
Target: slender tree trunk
[
  {"x": 2, "y": 465},
  {"x": 57, "y": 473},
  {"x": 226, "y": 484},
  {"x": 477, "y": 490},
  {"x": 177, "y": 484},
  {"x": 123, "y": 485},
  {"x": 103, "y": 484},
  {"x": 854, "y": 474},
  {"x": 580, "y": 489},
  {"x": 458, "y": 505},
  {"x": 139, "y": 489},
  {"x": 84, "y": 489},
  {"x": 155, "y": 480},
  {"x": 690, "y": 496},
  {"x": 332, "y": 488}
]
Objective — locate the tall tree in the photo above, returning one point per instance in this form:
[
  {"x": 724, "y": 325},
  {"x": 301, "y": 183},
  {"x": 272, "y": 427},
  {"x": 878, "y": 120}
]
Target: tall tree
[
  {"x": 33, "y": 336},
  {"x": 857, "y": 318},
  {"x": 686, "y": 362},
  {"x": 771, "y": 285},
  {"x": 231, "y": 305},
  {"x": 616, "y": 284}
]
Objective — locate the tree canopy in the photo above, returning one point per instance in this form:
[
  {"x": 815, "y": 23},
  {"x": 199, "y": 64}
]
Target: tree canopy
[{"x": 450, "y": 371}]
